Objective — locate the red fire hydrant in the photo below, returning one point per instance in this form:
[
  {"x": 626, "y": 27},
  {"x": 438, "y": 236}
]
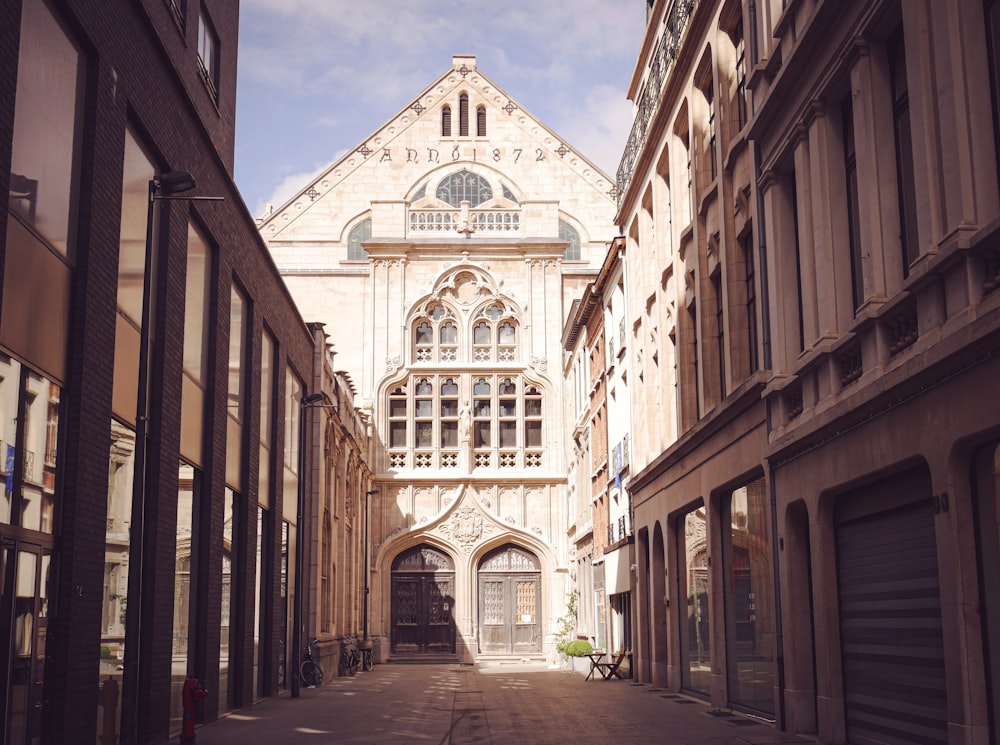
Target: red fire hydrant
[{"x": 194, "y": 692}]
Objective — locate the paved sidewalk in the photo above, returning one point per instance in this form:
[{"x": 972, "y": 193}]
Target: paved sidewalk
[{"x": 485, "y": 704}]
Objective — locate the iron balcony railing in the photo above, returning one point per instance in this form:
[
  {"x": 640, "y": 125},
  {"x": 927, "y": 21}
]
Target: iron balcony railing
[{"x": 649, "y": 100}]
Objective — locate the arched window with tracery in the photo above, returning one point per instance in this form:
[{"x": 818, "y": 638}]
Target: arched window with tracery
[
  {"x": 464, "y": 185},
  {"x": 496, "y": 418},
  {"x": 435, "y": 336},
  {"x": 494, "y": 335}
]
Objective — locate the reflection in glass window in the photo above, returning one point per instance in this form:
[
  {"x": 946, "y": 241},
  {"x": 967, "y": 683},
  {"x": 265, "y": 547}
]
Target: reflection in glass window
[
  {"x": 293, "y": 398},
  {"x": 195, "y": 317},
  {"x": 46, "y": 139},
  {"x": 136, "y": 175},
  {"x": 187, "y": 480},
  {"x": 28, "y": 463},
  {"x": 228, "y": 596},
  {"x": 114, "y": 598},
  {"x": 267, "y": 365},
  {"x": 237, "y": 326},
  {"x": 748, "y": 604},
  {"x": 10, "y": 386},
  {"x": 235, "y": 405},
  {"x": 260, "y": 647},
  {"x": 695, "y": 627}
]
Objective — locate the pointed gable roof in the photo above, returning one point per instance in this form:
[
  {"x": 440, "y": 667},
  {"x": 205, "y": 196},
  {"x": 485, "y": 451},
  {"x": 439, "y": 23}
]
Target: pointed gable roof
[{"x": 413, "y": 138}]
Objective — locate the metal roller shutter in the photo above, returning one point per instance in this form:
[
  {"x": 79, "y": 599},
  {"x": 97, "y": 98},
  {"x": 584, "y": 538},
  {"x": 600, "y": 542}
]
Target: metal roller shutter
[{"x": 890, "y": 623}]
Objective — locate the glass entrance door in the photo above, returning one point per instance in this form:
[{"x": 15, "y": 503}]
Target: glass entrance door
[{"x": 24, "y": 591}]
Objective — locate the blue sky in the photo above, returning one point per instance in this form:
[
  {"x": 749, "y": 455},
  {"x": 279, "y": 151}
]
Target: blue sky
[{"x": 316, "y": 77}]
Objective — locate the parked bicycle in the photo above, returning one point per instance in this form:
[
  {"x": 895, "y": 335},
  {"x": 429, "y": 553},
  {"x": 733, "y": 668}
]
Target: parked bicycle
[
  {"x": 367, "y": 656},
  {"x": 310, "y": 669},
  {"x": 350, "y": 658}
]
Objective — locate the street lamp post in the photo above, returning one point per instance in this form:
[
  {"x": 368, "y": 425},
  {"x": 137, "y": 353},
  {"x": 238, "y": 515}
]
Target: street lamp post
[
  {"x": 312, "y": 401},
  {"x": 368, "y": 559},
  {"x": 164, "y": 187},
  {"x": 304, "y": 403}
]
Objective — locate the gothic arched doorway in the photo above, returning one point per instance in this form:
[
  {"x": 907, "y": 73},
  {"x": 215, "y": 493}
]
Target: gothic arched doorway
[
  {"x": 510, "y": 602},
  {"x": 423, "y": 601}
]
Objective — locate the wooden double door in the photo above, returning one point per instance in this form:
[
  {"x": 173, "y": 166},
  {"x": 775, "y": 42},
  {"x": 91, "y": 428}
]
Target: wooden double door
[
  {"x": 423, "y": 602},
  {"x": 509, "y": 603},
  {"x": 423, "y": 613}
]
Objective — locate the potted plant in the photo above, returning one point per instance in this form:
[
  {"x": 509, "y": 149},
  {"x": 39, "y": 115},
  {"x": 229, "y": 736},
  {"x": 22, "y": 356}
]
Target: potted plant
[{"x": 572, "y": 650}]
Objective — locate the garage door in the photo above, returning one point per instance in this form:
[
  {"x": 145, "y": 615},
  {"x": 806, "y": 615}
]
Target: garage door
[{"x": 890, "y": 622}]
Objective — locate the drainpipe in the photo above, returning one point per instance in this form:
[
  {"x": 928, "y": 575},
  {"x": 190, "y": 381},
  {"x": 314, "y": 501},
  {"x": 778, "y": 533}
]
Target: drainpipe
[{"x": 779, "y": 644}]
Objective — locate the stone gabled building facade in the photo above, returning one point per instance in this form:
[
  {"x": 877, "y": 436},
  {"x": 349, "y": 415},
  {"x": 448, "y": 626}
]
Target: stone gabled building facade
[{"x": 443, "y": 254}]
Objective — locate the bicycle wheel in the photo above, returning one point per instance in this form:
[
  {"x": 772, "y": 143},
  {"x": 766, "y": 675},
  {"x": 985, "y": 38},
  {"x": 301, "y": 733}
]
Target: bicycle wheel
[
  {"x": 353, "y": 664},
  {"x": 366, "y": 660},
  {"x": 308, "y": 672}
]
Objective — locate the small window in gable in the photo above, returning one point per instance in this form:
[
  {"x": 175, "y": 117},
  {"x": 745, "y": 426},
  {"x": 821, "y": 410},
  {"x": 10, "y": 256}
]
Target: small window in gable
[
  {"x": 359, "y": 234},
  {"x": 568, "y": 233},
  {"x": 480, "y": 121},
  {"x": 463, "y": 115},
  {"x": 446, "y": 121}
]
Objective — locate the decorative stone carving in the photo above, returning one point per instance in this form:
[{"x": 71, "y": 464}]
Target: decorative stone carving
[
  {"x": 392, "y": 364},
  {"x": 466, "y": 527},
  {"x": 539, "y": 363}
]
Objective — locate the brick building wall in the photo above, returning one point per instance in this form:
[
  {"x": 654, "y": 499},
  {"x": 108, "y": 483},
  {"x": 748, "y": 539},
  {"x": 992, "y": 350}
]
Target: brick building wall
[{"x": 141, "y": 71}]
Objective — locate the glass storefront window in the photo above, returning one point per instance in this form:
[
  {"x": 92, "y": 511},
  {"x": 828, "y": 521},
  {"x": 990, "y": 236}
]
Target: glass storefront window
[
  {"x": 116, "y": 564},
  {"x": 10, "y": 384},
  {"x": 196, "y": 337},
  {"x": 262, "y": 585},
  {"x": 188, "y": 479},
  {"x": 29, "y": 446},
  {"x": 749, "y": 606},
  {"x": 695, "y": 626},
  {"x": 46, "y": 140},
  {"x": 266, "y": 418},
  {"x": 38, "y": 454},
  {"x": 235, "y": 405},
  {"x": 228, "y": 576},
  {"x": 284, "y": 643},
  {"x": 136, "y": 174}
]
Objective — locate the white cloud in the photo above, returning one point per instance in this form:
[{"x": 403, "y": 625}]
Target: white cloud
[
  {"x": 601, "y": 128},
  {"x": 316, "y": 75},
  {"x": 288, "y": 188}
]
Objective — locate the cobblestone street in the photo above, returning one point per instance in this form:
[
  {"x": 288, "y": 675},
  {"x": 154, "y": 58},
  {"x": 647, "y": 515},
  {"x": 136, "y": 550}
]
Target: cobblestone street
[{"x": 496, "y": 704}]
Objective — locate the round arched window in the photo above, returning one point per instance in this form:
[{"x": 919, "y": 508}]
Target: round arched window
[{"x": 464, "y": 185}]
